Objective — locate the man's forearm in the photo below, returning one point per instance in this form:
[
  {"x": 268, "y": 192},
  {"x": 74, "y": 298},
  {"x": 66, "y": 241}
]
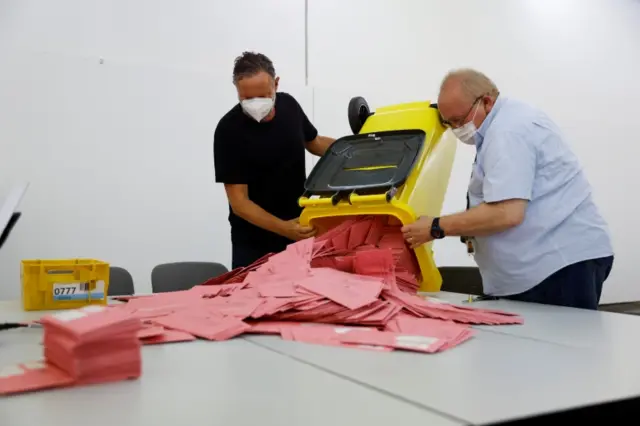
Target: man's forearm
[
  {"x": 320, "y": 145},
  {"x": 484, "y": 219},
  {"x": 256, "y": 215}
]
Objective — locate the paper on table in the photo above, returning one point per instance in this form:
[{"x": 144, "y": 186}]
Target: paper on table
[
  {"x": 275, "y": 288},
  {"x": 271, "y": 327},
  {"x": 150, "y": 331},
  {"x": 93, "y": 344},
  {"x": 328, "y": 335},
  {"x": 347, "y": 290},
  {"x": 239, "y": 307},
  {"x": 206, "y": 328},
  {"x": 321, "y": 281},
  {"x": 31, "y": 376},
  {"x": 91, "y": 323},
  {"x": 393, "y": 340},
  {"x": 169, "y": 336}
]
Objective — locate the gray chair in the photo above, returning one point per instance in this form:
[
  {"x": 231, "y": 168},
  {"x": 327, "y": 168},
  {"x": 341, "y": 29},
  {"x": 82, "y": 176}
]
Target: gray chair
[
  {"x": 120, "y": 282},
  {"x": 183, "y": 275},
  {"x": 461, "y": 279}
]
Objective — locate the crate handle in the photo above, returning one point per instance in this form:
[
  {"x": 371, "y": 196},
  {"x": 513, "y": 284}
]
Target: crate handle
[{"x": 60, "y": 271}]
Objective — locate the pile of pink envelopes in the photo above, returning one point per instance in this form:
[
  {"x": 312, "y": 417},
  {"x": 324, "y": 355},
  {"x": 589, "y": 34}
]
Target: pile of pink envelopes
[
  {"x": 93, "y": 344},
  {"x": 355, "y": 286},
  {"x": 366, "y": 245},
  {"x": 344, "y": 288}
]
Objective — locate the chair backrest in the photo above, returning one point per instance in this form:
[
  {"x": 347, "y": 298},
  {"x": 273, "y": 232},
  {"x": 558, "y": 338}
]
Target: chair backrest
[
  {"x": 461, "y": 279},
  {"x": 120, "y": 282},
  {"x": 183, "y": 275}
]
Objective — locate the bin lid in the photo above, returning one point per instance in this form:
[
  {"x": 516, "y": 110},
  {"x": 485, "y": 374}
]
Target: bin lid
[{"x": 370, "y": 161}]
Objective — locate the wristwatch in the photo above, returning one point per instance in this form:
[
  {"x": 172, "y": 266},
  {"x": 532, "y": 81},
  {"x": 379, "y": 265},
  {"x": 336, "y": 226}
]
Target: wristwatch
[{"x": 436, "y": 231}]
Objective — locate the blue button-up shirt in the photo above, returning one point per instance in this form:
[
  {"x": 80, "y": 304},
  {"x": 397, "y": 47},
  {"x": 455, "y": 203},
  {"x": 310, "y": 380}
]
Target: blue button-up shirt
[{"x": 521, "y": 154}]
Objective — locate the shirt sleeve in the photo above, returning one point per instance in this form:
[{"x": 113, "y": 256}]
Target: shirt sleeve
[
  {"x": 509, "y": 168},
  {"x": 229, "y": 163},
  {"x": 309, "y": 130}
]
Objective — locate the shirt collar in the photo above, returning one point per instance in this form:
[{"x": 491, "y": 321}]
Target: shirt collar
[{"x": 482, "y": 131}]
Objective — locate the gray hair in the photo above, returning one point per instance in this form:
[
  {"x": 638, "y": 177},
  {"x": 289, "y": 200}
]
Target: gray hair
[
  {"x": 473, "y": 83},
  {"x": 251, "y": 63}
]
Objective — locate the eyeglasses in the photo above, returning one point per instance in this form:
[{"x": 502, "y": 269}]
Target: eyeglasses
[{"x": 460, "y": 121}]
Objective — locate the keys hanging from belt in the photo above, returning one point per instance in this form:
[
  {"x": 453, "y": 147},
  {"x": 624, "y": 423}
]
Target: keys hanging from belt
[{"x": 468, "y": 241}]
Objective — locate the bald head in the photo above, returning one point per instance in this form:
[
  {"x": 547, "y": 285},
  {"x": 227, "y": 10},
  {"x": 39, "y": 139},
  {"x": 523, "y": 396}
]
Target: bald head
[
  {"x": 470, "y": 83},
  {"x": 461, "y": 90}
]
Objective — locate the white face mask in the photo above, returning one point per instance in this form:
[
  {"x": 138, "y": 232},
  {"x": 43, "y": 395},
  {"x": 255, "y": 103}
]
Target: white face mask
[
  {"x": 258, "y": 108},
  {"x": 467, "y": 131}
]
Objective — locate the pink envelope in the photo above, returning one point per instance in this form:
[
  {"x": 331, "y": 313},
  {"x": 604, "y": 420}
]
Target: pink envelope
[
  {"x": 150, "y": 331},
  {"x": 347, "y": 290},
  {"x": 271, "y": 306},
  {"x": 270, "y": 327},
  {"x": 174, "y": 300},
  {"x": 206, "y": 328},
  {"x": 235, "y": 307},
  {"x": 91, "y": 322},
  {"x": 144, "y": 314},
  {"x": 285, "y": 288},
  {"x": 207, "y": 290},
  {"x": 32, "y": 376},
  {"x": 375, "y": 231},
  {"x": 169, "y": 336},
  {"x": 329, "y": 335},
  {"x": 303, "y": 249},
  {"x": 393, "y": 340},
  {"x": 358, "y": 233}
]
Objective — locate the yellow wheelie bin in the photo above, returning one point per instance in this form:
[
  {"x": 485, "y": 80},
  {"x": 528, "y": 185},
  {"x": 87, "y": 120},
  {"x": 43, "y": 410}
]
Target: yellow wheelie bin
[{"x": 397, "y": 164}]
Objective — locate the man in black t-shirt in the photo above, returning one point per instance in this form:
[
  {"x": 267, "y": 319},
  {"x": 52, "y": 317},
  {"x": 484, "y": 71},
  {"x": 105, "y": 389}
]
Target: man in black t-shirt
[{"x": 259, "y": 155}]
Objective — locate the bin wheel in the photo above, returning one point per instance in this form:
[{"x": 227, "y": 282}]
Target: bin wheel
[{"x": 358, "y": 113}]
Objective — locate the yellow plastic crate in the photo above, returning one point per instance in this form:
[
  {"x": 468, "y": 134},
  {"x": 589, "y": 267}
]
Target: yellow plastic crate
[
  {"x": 63, "y": 284},
  {"x": 422, "y": 193}
]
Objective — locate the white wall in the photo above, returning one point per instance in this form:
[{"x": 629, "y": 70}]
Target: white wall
[
  {"x": 145, "y": 117},
  {"x": 120, "y": 154},
  {"x": 577, "y": 59}
]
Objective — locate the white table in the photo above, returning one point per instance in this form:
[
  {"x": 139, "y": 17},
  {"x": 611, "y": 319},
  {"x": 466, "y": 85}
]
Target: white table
[
  {"x": 559, "y": 359},
  {"x": 550, "y": 363},
  {"x": 204, "y": 383},
  {"x": 492, "y": 378},
  {"x": 612, "y": 333}
]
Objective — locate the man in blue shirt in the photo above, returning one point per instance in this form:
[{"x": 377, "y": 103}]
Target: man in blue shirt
[{"x": 537, "y": 235}]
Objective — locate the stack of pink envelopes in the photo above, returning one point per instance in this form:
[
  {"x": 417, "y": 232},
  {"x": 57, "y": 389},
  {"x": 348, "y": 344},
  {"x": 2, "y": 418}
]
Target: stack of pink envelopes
[
  {"x": 84, "y": 346},
  {"x": 93, "y": 344}
]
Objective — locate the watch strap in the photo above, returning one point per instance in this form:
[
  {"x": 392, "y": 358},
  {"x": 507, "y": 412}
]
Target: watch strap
[{"x": 436, "y": 231}]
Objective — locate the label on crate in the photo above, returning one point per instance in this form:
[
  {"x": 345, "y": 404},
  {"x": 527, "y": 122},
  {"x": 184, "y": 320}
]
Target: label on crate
[{"x": 78, "y": 291}]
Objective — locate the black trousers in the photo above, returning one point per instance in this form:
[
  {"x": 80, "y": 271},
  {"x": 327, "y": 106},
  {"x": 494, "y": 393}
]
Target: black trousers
[
  {"x": 578, "y": 285},
  {"x": 245, "y": 254}
]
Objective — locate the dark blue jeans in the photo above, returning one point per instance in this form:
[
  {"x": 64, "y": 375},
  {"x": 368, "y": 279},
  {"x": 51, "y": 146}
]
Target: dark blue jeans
[{"x": 578, "y": 285}]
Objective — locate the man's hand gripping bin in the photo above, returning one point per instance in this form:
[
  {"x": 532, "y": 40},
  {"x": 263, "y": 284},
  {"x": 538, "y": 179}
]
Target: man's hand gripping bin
[{"x": 397, "y": 164}]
